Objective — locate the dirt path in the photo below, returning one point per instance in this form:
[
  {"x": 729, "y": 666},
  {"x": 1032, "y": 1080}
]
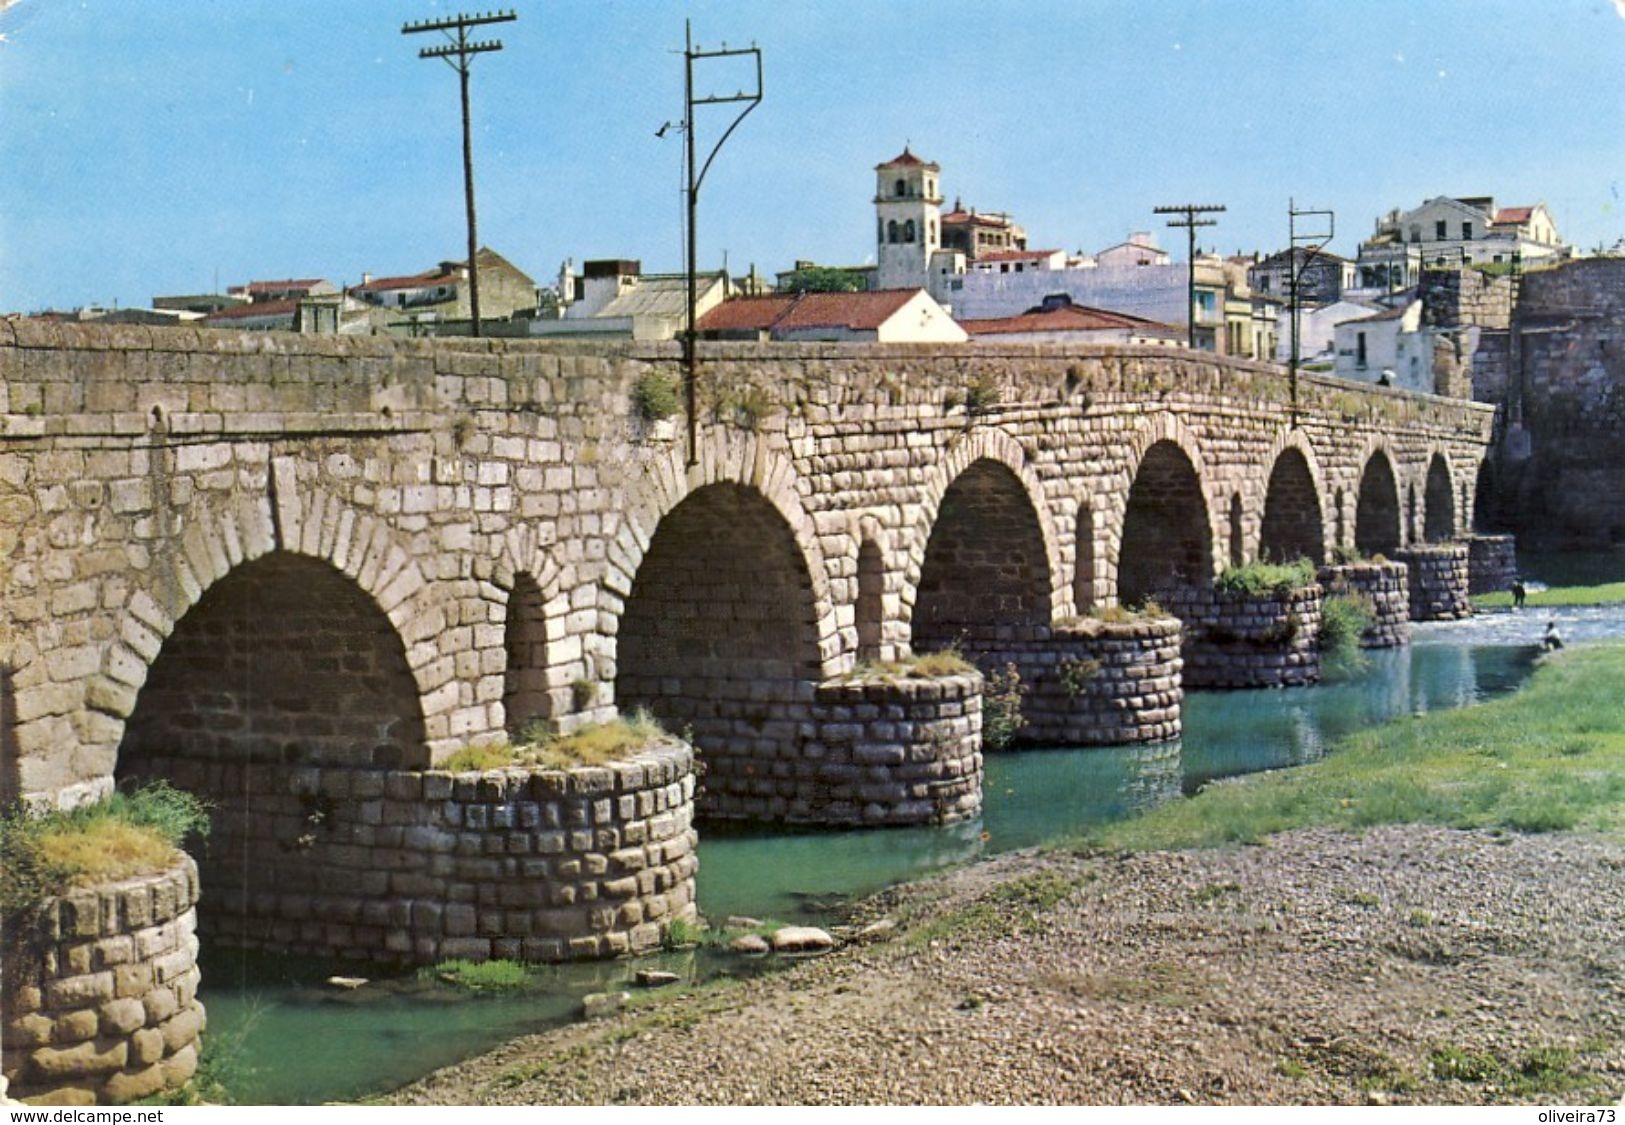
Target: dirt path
[{"x": 1405, "y": 965}]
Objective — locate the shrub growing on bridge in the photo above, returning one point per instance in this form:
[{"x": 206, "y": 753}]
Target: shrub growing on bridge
[{"x": 1256, "y": 580}]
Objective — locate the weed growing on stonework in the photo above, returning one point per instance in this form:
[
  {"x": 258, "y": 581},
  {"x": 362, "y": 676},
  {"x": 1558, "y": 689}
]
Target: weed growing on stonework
[
  {"x": 981, "y": 393},
  {"x": 583, "y": 694},
  {"x": 655, "y": 395},
  {"x": 1001, "y": 707},
  {"x": 1343, "y": 619},
  {"x": 1076, "y": 674},
  {"x": 1263, "y": 579},
  {"x": 118, "y": 837}
]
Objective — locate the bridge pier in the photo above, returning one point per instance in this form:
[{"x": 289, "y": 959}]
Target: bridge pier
[
  {"x": 1440, "y": 577},
  {"x": 1249, "y": 641},
  {"x": 1385, "y": 586}
]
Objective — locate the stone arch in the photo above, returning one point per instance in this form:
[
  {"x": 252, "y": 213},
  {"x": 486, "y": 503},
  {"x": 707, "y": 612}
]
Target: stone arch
[
  {"x": 1438, "y": 501},
  {"x": 1162, "y": 544},
  {"x": 869, "y": 603},
  {"x": 314, "y": 525},
  {"x": 998, "y": 447},
  {"x": 719, "y": 637},
  {"x": 1376, "y": 515},
  {"x": 1293, "y": 526},
  {"x": 1411, "y": 537},
  {"x": 1484, "y": 499},
  {"x": 1238, "y": 533},
  {"x": 725, "y": 458},
  {"x": 1084, "y": 581},
  {"x": 283, "y": 660},
  {"x": 532, "y": 612}
]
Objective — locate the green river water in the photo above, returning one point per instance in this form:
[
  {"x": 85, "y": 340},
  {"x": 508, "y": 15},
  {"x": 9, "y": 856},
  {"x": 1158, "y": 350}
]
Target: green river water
[{"x": 289, "y": 1039}]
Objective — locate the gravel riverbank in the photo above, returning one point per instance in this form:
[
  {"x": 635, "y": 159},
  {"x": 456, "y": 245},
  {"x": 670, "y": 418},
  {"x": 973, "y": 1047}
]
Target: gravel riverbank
[{"x": 1407, "y": 964}]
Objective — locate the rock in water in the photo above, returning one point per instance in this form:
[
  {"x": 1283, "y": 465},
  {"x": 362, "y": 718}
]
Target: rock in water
[
  {"x": 741, "y": 922},
  {"x": 347, "y": 982},
  {"x": 597, "y": 1005},
  {"x": 654, "y": 978},
  {"x": 750, "y": 943},
  {"x": 802, "y": 939}
]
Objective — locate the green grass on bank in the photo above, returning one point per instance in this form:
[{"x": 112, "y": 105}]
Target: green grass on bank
[
  {"x": 1607, "y": 594},
  {"x": 1549, "y": 758}
]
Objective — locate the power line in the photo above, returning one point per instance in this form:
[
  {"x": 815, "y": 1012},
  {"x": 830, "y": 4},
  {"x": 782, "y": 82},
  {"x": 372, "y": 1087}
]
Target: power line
[
  {"x": 458, "y": 53},
  {"x": 1190, "y": 222}
]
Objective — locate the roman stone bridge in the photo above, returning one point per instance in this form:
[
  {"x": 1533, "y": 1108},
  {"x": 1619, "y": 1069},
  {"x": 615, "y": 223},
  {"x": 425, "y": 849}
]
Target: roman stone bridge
[{"x": 364, "y": 552}]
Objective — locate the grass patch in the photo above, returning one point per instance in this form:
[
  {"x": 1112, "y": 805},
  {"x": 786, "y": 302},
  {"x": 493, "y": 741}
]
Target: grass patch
[
  {"x": 1343, "y": 619},
  {"x": 1549, "y": 758},
  {"x": 1609, "y": 593},
  {"x": 590, "y": 746},
  {"x": 1007, "y": 909},
  {"x": 945, "y": 662},
  {"x": 120, "y": 837},
  {"x": 656, "y": 395},
  {"x": 1258, "y": 579},
  {"x": 481, "y": 976}
]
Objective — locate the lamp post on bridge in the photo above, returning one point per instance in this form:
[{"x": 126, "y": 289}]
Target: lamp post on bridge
[{"x": 1312, "y": 244}]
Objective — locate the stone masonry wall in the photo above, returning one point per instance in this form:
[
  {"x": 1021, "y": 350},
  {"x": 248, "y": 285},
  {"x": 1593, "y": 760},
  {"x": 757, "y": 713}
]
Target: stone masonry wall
[
  {"x": 1439, "y": 581},
  {"x": 888, "y": 751},
  {"x": 1091, "y": 683},
  {"x": 1558, "y": 468},
  {"x": 1233, "y": 641},
  {"x": 101, "y": 992},
  {"x": 141, "y": 468},
  {"x": 1492, "y": 562},
  {"x": 412, "y": 867},
  {"x": 1387, "y": 590}
]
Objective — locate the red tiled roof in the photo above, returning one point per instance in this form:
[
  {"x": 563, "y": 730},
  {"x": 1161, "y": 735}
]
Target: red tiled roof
[
  {"x": 285, "y": 307},
  {"x": 974, "y": 217},
  {"x": 745, "y": 313},
  {"x": 415, "y": 281},
  {"x": 857, "y": 311},
  {"x": 1514, "y": 214},
  {"x": 1014, "y": 255},
  {"x": 278, "y": 286},
  {"x": 906, "y": 159},
  {"x": 1065, "y": 318}
]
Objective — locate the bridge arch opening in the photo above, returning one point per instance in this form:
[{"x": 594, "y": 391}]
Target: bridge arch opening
[
  {"x": 525, "y": 696},
  {"x": 1376, "y": 514},
  {"x": 284, "y": 660},
  {"x": 870, "y": 610},
  {"x": 1485, "y": 500},
  {"x": 1410, "y": 515},
  {"x": 985, "y": 566},
  {"x": 1292, "y": 527},
  {"x": 1238, "y": 533},
  {"x": 1083, "y": 563},
  {"x": 1167, "y": 542},
  {"x": 1340, "y": 502},
  {"x": 1439, "y": 509},
  {"x": 283, "y": 664},
  {"x": 719, "y": 636}
]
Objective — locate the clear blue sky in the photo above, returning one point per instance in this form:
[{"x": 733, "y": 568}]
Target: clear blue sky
[{"x": 150, "y": 146}]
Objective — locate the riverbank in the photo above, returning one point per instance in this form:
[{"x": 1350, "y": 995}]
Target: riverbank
[
  {"x": 1441, "y": 957},
  {"x": 1407, "y": 964}
]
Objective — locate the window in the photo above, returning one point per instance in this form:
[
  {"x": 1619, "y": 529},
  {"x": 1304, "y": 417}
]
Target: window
[
  {"x": 1466, "y": 231},
  {"x": 1416, "y": 232},
  {"x": 899, "y": 189},
  {"x": 1359, "y": 350},
  {"x": 1439, "y": 229},
  {"x": 908, "y": 231},
  {"x": 891, "y": 231}
]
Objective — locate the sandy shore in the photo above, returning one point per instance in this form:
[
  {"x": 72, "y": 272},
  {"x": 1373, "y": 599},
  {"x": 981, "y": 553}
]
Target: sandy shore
[{"x": 1403, "y": 965}]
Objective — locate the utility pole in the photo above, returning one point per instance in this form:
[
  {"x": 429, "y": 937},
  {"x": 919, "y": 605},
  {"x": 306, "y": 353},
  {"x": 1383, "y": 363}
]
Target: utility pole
[
  {"x": 1312, "y": 244},
  {"x": 1190, "y": 222},
  {"x": 692, "y": 53},
  {"x": 458, "y": 53}
]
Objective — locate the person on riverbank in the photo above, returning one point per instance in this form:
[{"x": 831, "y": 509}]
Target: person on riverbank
[
  {"x": 1519, "y": 593},
  {"x": 1553, "y": 640}
]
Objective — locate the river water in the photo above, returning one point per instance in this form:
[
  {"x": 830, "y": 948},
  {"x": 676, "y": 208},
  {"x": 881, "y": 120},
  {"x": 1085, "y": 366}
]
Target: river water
[{"x": 286, "y": 1038}]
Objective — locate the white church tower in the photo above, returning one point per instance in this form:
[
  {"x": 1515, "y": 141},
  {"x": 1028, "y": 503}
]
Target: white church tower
[{"x": 908, "y": 216}]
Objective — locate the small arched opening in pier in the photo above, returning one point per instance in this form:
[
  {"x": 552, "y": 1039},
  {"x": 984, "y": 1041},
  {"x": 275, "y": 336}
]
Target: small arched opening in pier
[{"x": 1439, "y": 507}]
